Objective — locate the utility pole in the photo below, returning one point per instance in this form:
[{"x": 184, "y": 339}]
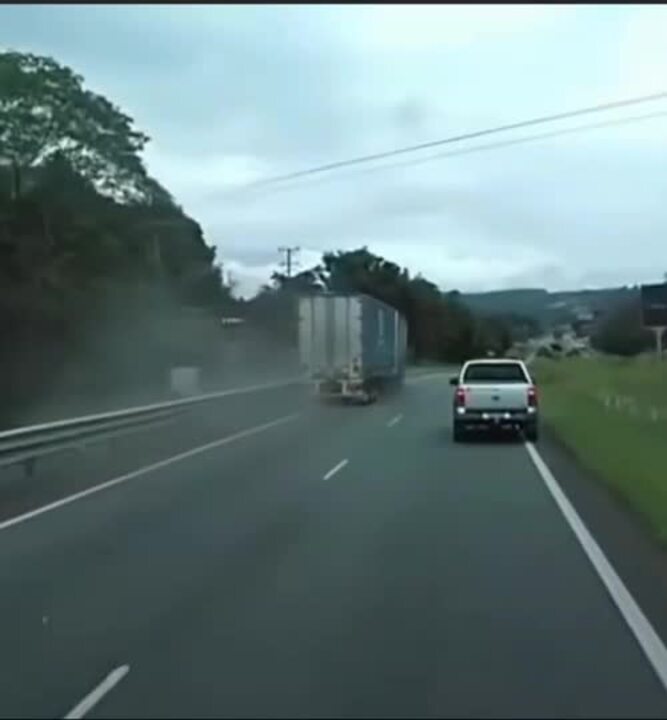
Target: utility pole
[{"x": 288, "y": 262}]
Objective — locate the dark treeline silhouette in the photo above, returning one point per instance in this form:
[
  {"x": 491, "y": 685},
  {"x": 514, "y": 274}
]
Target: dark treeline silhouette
[
  {"x": 620, "y": 330},
  {"x": 104, "y": 281},
  {"x": 440, "y": 326}
]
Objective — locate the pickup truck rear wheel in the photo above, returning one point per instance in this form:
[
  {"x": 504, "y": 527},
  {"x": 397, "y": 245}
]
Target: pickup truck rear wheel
[
  {"x": 532, "y": 433},
  {"x": 458, "y": 432}
]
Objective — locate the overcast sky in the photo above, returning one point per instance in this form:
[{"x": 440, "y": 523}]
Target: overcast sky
[{"x": 233, "y": 94}]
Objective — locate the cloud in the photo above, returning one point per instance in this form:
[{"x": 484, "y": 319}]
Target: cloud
[
  {"x": 194, "y": 175},
  {"x": 232, "y": 94},
  {"x": 642, "y": 62},
  {"x": 424, "y": 27}
]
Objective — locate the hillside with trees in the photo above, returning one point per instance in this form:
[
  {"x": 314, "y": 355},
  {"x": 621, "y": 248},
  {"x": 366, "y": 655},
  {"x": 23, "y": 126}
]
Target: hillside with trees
[
  {"x": 542, "y": 309},
  {"x": 104, "y": 280}
]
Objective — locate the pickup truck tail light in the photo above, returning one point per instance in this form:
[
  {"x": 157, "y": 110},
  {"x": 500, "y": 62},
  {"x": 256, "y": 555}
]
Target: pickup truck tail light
[
  {"x": 532, "y": 396},
  {"x": 460, "y": 397}
]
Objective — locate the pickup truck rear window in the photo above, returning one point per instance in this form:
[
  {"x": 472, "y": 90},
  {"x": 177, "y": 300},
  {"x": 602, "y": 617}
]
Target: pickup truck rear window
[{"x": 495, "y": 373}]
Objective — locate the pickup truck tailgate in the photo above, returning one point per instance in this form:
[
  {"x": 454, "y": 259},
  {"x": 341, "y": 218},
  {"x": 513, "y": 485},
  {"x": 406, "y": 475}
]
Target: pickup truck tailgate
[{"x": 505, "y": 396}]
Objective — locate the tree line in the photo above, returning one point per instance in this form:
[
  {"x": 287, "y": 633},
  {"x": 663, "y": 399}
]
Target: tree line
[
  {"x": 104, "y": 280},
  {"x": 620, "y": 330},
  {"x": 440, "y": 326}
]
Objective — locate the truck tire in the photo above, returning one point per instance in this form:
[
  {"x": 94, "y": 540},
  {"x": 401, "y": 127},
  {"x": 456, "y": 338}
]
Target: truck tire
[
  {"x": 371, "y": 393},
  {"x": 458, "y": 432},
  {"x": 532, "y": 434},
  {"x": 365, "y": 397}
]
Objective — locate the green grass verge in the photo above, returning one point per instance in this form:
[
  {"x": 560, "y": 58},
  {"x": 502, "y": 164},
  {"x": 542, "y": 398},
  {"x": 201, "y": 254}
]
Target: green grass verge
[{"x": 612, "y": 414}]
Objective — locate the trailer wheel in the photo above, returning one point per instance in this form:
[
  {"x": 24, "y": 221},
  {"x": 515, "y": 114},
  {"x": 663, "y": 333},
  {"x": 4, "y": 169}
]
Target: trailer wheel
[
  {"x": 371, "y": 394},
  {"x": 367, "y": 397}
]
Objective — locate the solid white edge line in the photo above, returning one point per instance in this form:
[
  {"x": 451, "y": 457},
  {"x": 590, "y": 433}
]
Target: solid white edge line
[
  {"x": 335, "y": 469},
  {"x": 395, "y": 420},
  {"x": 143, "y": 470},
  {"x": 93, "y": 697},
  {"x": 648, "y": 639}
]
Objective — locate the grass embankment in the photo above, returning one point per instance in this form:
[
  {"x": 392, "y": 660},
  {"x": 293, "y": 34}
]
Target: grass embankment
[{"x": 612, "y": 414}]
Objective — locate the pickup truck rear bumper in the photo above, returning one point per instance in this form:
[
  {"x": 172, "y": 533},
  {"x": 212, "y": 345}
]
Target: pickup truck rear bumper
[{"x": 495, "y": 418}]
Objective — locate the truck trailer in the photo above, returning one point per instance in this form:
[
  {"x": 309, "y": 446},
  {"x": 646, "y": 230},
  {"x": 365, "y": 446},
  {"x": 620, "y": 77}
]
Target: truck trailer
[{"x": 352, "y": 346}]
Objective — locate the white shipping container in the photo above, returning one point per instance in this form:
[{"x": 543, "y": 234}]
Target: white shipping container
[
  {"x": 330, "y": 334},
  {"x": 354, "y": 341}
]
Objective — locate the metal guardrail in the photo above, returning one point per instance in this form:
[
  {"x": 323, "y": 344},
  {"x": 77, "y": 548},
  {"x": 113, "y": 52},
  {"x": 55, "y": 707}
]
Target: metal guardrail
[{"x": 26, "y": 444}]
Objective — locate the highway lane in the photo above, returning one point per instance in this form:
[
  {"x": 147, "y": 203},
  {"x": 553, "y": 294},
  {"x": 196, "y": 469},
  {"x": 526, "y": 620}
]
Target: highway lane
[
  {"x": 421, "y": 578},
  {"x": 97, "y": 460},
  {"x": 79, "y": 583}
]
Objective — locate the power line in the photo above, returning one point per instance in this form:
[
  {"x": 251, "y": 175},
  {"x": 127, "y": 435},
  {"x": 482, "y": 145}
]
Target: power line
[
  {"x": 479, "y": 148},
  {"x": 522, "y": 140},
  {"x": 457, "y": 138}
]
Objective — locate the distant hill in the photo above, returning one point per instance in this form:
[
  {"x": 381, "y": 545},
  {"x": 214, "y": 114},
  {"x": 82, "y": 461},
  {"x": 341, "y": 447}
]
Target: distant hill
[
  {"x": 528, "y": 301},
  {"x": 547, "y": 308}
]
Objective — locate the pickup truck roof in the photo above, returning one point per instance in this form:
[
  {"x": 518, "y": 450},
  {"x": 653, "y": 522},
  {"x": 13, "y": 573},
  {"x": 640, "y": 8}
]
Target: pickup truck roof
[{"x": 491, "y": 361}]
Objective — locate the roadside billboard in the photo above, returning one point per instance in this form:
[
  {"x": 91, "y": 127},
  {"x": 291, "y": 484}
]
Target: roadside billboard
[{"x": 654, "y": 305}]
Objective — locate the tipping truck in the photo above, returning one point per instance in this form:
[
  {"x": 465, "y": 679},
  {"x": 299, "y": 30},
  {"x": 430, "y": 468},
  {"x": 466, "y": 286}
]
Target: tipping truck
[{"x": 352, "y": 346}]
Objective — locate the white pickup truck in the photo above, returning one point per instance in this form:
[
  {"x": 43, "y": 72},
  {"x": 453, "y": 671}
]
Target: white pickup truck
[{"x": 495, "y": 393}]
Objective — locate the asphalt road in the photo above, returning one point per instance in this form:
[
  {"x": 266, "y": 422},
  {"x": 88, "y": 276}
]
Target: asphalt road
[{"x": 315, "y": 562}]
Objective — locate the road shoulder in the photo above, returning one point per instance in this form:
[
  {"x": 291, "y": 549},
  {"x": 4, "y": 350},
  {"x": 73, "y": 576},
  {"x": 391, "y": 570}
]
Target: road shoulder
[{"x": 638, "y": 559}]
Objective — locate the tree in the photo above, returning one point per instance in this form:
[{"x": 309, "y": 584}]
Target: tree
[
  {"x": 45, "y": 110},
  {"x": 307, "y": 282},
  {"x": 439, "y": 326},
  {"x": 620, "y": 331},
  {"x": 98, "y": 295},
  {"x": 362, "y": 271}
]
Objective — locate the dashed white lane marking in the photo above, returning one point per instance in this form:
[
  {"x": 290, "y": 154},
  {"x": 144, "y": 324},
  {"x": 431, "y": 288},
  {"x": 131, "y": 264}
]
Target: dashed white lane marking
[
  {"x": 142, "y": 471},
  {"x": 395, "y": 420},
  {"x": 641, "y": 628},
  {"x": 93, "y": 697},
  {"x": 335, "y": 469}
]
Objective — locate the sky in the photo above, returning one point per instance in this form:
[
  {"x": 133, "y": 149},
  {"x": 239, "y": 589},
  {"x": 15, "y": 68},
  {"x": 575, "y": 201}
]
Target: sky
[{"x": 233, "y": 94}]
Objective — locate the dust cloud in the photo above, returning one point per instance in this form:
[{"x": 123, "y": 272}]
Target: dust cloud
[{"x": 125, "y": 351}]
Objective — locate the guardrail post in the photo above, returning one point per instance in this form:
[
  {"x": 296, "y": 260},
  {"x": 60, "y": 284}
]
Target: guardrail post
[{"x": 29, "y": 467}]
